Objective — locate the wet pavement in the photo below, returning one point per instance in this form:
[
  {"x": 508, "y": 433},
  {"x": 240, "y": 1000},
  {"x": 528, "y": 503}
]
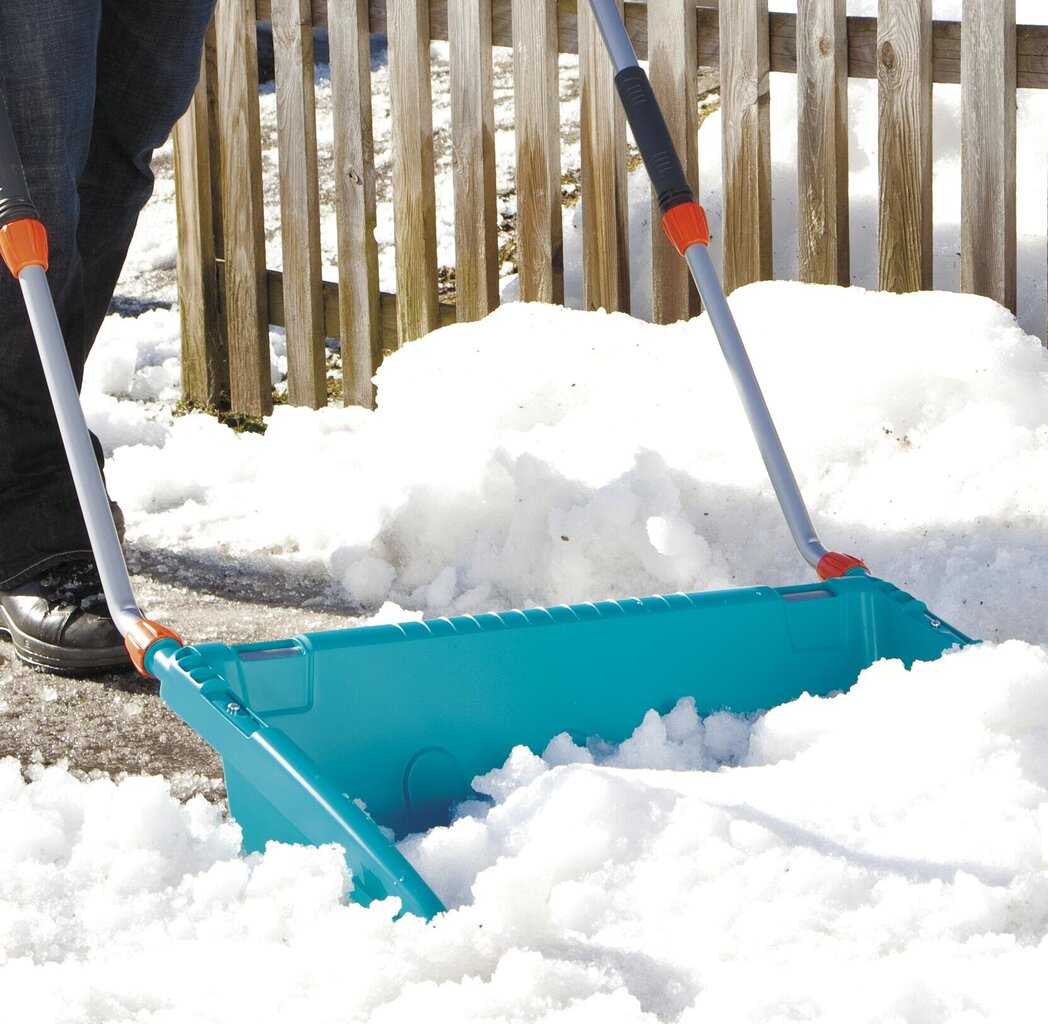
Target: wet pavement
[{"x": 116, "y": 724}]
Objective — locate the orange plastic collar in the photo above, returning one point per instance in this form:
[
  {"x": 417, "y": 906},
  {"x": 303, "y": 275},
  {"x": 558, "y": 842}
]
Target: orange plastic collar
[
  {"x": 834, "y": 564},
  {"x": 23, "y": 243},
  {"x": 141, "y": 636},
  {"x": 686, "y": 225}
]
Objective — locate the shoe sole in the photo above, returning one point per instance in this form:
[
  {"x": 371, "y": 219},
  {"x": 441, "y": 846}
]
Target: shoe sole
[{"x": 62, "y": 659}]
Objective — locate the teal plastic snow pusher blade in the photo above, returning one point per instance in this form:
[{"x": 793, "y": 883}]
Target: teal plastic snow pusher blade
[
  {"x": 360, "y": 736},
  {"x": 400, "y": 719}
]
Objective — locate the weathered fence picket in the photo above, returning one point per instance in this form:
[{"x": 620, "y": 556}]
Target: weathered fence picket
[
  {"x": 605, "y": 216},
  {"x": 746, "y": 141},
  {"x": 473, "y": 158},
  {"x": 540, "y": 248},
  {"x": 359, "y": 308},
  {"x": 674, "y": 73},
  {"x": 299, "y": 203},
  {"x": 205, "y": 356},
  {"x": 414, "y": 196},
  {"x": 988, "y": 150},
  {"x": 822, "y": 142},
  {"x": 228, "y": 297},
  {"x": 904, "y": 75},
  {"x": 240, "y": 146}
]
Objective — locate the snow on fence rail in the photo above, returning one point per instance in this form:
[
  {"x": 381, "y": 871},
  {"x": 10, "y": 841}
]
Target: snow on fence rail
[{"x": 229, "y": 298}]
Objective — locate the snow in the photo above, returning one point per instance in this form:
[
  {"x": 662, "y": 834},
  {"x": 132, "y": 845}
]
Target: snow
[
  {"x": 876, "y": 856},
  {"x": 549, "y": 455},
  {"x": 880, "y": 855}
]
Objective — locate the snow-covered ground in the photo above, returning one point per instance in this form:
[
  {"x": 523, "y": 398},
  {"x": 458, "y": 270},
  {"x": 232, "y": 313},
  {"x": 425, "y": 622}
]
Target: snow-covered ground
[{"x": 875, "y": 856}]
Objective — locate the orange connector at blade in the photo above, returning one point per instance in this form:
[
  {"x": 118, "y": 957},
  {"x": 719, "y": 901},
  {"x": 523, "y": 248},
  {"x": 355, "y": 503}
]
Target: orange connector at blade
[
  {"x": 141, "y": 636},
  {"x": 23, "y": 243},
  {"x": 834, "y": 564}
]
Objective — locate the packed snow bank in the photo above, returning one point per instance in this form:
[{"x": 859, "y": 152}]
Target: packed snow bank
[
  {"x": 548, "y": 455},
  {"x": 881, "y": 855}
]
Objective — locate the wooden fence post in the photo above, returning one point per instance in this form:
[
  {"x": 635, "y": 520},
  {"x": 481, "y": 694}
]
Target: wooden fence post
[
  {"x": 414, "y": 191},
  {"x": 822, "y": 142},
  {"x": 205, "y": 359},
  {"x": 359, "y": 312},
  {"x": 299, "y": 203},
  {"x": 605, "y": 205},
  {"x": 904, "y": 74},
  {"x": 746, "y": 143},
  {"x": 988, "y": 72},
  {"x": 673, "y": 67},
  {"x": 473, "y": 158},
  {"x": 245, "y": 251},
  {"x": 536, "y": 104},
  {"x": 902, "y": 48}
]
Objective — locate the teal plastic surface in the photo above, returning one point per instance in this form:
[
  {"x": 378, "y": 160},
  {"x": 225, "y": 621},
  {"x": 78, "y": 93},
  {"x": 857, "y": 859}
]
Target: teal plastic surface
[{"x": 400, "y": 719}]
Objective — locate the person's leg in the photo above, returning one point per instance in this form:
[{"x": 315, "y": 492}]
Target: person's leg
[
  {"x": 148, "y": 65},
  {"x": 93, "y": 86},
  {"x": 47, "y": 73},
  {"x": 145, "y": 59}
]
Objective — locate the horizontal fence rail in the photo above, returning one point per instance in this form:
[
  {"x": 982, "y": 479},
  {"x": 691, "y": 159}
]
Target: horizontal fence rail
[{"x": 229, "y": 297}]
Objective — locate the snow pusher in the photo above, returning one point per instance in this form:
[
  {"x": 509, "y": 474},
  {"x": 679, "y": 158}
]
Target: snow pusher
[{"x": 363, "y": 735}]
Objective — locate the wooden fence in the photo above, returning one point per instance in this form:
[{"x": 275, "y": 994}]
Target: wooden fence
[{"x": 229, "y": 298}]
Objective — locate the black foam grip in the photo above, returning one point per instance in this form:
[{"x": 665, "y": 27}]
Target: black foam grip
[
  {"x": 653, "y": 139},
  {"x": 15, "y": 203}
]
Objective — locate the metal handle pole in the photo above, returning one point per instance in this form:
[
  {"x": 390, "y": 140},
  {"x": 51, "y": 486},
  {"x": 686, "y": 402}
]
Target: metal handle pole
[
  {"x": 90, "y": 490},
  {"x": 23, "y": 246},
  {"x": 685, "y": 223},
  {"x": 735, "y": 355}
]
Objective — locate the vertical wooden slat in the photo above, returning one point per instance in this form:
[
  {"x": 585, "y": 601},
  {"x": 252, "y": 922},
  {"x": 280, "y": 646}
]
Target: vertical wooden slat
[
  {"x": 673, "y": 68},
  {"x": 205, "y": 363},
  {"x": 299, "y": 203},
  {"x": 473, "y": 158},
  {"x": 605, "y": 207},
  {"x": 904, "y": 74},
  {"x": 536, "y": 99},
  {"x": 215, "y": 154},
  {"x": 414, "y": 195},
  {"x": 359, "y": 314},
  {"x": 822, "y": 142},
  {"x": 746, "y": 143},
  {"x": 988, "y": 240},
  {"x": 242, "y": 217}
]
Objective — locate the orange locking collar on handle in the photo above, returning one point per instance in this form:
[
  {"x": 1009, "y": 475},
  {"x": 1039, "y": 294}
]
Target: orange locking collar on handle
[
  {"x": 835, "y": 564},
  {"x": 23, "y": 243},
  {"x": 141, "y": 637},
  {"x": 686, "y": 225}
]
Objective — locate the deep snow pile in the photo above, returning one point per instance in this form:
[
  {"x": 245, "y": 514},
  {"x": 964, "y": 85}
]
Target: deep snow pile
[
  {"x": 877, "y": 856},
  {"x": 549, "y": 455}
]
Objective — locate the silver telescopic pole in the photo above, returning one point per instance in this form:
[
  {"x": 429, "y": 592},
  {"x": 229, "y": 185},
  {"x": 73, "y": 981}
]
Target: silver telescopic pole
[
  {"x": 673, "y": 191},
  {"x": 778, "y": 465},
  {"x": 614, "y": 33},
  {"x": 105, "y": 544}
]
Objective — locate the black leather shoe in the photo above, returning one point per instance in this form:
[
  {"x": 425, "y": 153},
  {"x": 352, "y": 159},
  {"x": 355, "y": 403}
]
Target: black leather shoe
[{"x": 59, "y": 621}]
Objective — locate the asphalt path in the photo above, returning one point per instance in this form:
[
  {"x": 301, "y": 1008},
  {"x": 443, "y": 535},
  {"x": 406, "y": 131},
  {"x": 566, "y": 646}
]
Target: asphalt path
[{"x": 116, "y": 724}]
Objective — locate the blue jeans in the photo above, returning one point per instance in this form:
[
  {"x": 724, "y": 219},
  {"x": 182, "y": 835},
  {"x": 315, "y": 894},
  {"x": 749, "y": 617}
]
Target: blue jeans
[{"x": 92, "y": 87}]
